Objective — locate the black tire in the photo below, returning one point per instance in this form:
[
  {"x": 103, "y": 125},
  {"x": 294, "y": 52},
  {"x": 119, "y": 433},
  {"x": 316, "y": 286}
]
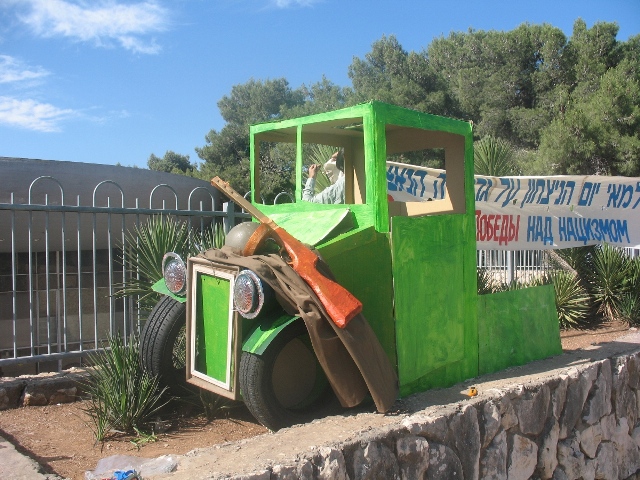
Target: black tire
[
  {"x": 285, "y": 385},
  {"x": 163, "y": 345}
]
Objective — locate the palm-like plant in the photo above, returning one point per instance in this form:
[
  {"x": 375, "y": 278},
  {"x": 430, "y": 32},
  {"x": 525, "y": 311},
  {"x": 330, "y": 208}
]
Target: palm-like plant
[
  {"x": 579, "y": 260},
  {"x": 147, "y": 243},
  {"x": 485, "y": 282},
  {"x": 494, "y": 157},
  {"x": 572, "y": 299},
  {"x": 611, "y": 279},
  {"x": 628, "y": 308},
  {"x": 122, "y": 395}
]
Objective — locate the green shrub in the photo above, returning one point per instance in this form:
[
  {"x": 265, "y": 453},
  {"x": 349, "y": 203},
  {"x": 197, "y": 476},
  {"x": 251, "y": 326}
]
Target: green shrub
[
  {"x": 611, "y": 279},
  {"x": 628, "y": 308},
  {"x": 485, "y": 283},
  {"x": 572, "y": 299},
  {"x": 147, "y": 243},
  {"x": 122, "y": 396},
  {"x": 494, "y": 157}
]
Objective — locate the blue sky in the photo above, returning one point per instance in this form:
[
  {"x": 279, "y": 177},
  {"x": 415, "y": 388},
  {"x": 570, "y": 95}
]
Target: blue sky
[{"x": 108, "y": 81}]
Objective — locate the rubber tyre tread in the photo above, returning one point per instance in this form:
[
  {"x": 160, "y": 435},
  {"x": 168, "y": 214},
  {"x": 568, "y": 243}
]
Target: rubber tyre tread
[
  {"x": 157, "y": 340},
  {"x": 257, "y": 390}
]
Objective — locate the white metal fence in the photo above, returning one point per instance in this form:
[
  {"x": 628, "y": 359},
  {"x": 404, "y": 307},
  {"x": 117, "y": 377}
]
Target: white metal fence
[
  {"x": 60, "y": 261},
  {"x": 508, "y": 266}
]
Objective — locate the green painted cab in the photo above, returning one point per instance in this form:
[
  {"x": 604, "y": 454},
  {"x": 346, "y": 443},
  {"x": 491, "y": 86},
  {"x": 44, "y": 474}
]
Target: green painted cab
[{"x": 412, "y": 264}]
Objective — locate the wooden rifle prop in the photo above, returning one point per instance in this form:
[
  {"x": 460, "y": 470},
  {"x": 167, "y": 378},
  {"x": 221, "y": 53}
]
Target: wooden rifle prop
[{"x": 339, "y": 303}]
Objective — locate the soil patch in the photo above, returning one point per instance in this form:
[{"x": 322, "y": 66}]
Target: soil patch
[
  {"x": 59, "y": 439},
  {"x": 58, "y": 436},
  {"x": 573, "y": 339}
]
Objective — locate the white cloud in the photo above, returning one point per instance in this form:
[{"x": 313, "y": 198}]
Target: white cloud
[
  {"x": 101, "y": 22},
  {"x": 32, "y": 115},
  {"x": 13, "y": 70}
]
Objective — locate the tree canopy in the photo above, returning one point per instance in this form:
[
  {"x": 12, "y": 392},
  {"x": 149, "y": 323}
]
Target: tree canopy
[
  {"x": 563, "y": 105},
  {"x": 171, "y": 162}
]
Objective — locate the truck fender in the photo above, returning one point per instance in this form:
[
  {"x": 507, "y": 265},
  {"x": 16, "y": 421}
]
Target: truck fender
[
  {"x": 161, "y": 288},
  {"x": 260, "y": 336}
]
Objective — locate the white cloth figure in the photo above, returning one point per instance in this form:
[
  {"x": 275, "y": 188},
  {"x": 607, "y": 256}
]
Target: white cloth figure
[{"x": 334, "y": 193}]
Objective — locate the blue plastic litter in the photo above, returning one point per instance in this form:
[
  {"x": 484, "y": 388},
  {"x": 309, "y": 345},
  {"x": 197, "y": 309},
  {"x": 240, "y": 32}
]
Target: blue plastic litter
[{"x": 126, "y": 475}]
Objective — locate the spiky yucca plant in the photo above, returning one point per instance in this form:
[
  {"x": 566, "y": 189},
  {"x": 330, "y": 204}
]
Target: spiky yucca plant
[
  {"x": 147, "y": 243},
  {"x": 628, "y": 308},
  {"x": 611, "y": 279},
  {"x": 572, "y": 299},
  {"x": 485, "y": 282},
  {"x": 494, "y": 157},
  {"x": 122, "y": 396}
]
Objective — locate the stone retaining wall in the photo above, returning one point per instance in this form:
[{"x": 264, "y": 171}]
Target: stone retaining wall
[
  {"x": 581, "y": 423},
  {"x": 575, "y": 422},
  {"x": 40, "y": 390}
]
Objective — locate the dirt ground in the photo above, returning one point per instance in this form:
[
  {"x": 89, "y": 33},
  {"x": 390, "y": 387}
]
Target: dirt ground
[{"x": 58, "y": 437}]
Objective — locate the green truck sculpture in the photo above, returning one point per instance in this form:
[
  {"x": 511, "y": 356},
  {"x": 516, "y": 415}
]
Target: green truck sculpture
[{"x": 412, "y": 265}]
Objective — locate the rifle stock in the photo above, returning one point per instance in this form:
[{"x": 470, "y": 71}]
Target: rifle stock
[{"x": 339, "y": 303}]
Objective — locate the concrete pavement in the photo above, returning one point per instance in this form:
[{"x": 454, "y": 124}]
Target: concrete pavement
[{"x": 16, "y": 466}]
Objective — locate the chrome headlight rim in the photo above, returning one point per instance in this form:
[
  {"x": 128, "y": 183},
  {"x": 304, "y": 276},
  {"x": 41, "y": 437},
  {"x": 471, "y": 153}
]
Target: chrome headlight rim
[
  {"x": 174, "y": 272},
  {"x": 247, "y": 282}
]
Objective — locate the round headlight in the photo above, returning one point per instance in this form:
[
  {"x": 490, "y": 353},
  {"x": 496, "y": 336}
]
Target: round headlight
[
  {"x": 175, "y": 273},
  {"x": 248, "y": 294}
]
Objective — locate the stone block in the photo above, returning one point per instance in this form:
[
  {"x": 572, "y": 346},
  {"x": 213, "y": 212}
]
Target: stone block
[
  {"x": 10, "y": 394},
  {"x": 532, "y": 409},
  {"x": 431, "y": 427},
  {"x": 50, "y": 391},
  {"x": 547, "y": 455},
  {"x": 570, "y": 459},
  {"x": 606, "y": 466},
  {"x": 508, "y": 417},
  {"x": 598, "y": 403},
  {"x": 375, "y": 461},
  {"x": 332, "y": 465},
  {"x": 467, "y": 440},
  {"x": 493, "y": 460},
  {"x": 522, "y": 459},
  {"x": 444, "y": 464},
  {"x": 490, "y": 422},
  {"x": 627, "y": 454},
  {"x": 413, "y": 457},
  {"x": 590, "y": 439},
  {"x": 577, "y": 392},
  {"x": 559, "y": 396}
]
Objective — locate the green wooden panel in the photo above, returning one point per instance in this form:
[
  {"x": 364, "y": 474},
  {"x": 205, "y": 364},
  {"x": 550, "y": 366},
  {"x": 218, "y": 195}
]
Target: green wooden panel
[
  {"x": 212, "y": 326},
  {"x": 435, "y": 295},
  {"x": 312, "y": 227},
  {"x": 361, "y": 262},
  {"x": 517, "y": 327}
]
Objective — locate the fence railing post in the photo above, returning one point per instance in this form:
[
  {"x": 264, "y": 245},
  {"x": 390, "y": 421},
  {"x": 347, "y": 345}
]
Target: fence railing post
[
  {"x": 229, "y": 220},
  {"x": 511, "y": 270}
]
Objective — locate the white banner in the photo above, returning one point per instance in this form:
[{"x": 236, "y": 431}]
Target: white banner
[{"x": 531, "y": 213}]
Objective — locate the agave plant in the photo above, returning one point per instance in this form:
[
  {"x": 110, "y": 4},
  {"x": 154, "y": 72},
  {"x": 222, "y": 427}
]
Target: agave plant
[
  {"x": 494, "y": 157},
  {"x": 612, "y": 278},
  {"x": 577, "y": 259},
  {"x": 147, "y": 243},
  {"x": 485, "y": 282},
  {"x": 122, "y": 396},
  {"x": 572, "y": 299},
  {"x": 628, "y": 308}
]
